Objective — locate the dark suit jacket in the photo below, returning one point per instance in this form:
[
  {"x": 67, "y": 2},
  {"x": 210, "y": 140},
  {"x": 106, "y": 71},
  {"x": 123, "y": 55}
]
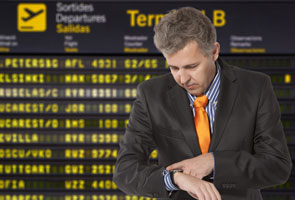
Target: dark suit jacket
[{"x": 248, "y": 142}]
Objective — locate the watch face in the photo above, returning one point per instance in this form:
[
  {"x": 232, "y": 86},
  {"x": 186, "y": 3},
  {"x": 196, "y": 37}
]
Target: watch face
[{"x": 177, "y": 170}]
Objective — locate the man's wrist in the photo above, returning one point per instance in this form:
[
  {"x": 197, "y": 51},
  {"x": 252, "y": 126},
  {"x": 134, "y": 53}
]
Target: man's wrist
[{"x": 167, "y": 181}]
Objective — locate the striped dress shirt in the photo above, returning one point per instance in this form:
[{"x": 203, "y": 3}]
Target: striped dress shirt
[{"x": 212, "y": 94}]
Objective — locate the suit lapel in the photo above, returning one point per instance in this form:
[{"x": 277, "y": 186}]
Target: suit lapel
[
  {"x": 180, "y": 104},
  {"x": 227, "y": 97}
]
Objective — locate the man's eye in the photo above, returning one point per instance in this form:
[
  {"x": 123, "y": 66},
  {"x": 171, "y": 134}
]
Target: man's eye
[{"x": 192, "y": 66}]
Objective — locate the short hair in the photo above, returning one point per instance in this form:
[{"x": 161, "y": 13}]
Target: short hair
[{"x": 181, "y": 26}]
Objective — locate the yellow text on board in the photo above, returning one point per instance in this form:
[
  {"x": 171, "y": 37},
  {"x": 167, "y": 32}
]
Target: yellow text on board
[{"x": 138, "y": 19}]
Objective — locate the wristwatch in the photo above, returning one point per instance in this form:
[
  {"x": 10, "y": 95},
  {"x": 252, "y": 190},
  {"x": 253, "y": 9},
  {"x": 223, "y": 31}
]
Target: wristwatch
[{"x": 172, "y": 175}]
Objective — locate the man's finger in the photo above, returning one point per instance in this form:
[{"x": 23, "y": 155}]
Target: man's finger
[
  {"x": 186, "y": 171},
  {"x": 192, "y": 195},
  {"x": 210, "y": 191},
  {"x": 217, "y": 194},
  {"x": 199, "y": 194},
  {"x": 178, "y": 165},
  {"x": 199, "y": 176},
  {"x": 205, "y": 192}
]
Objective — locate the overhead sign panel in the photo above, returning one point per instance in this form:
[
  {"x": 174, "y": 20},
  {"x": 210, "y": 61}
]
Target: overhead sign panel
[{"x": 122, "y": 27}]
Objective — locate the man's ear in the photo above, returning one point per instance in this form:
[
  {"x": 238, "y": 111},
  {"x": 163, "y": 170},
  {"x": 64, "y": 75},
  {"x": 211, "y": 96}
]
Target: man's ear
[{"x": 216, "y": 51}]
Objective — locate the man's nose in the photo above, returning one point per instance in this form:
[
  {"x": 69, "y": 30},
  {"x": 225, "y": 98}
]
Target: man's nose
[{"x": 183, "y": 76}]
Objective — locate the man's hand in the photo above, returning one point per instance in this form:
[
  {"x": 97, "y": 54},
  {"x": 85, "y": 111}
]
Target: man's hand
[
  {"x": 199, "y": 166},
  {"x": 195, "y": 187}
]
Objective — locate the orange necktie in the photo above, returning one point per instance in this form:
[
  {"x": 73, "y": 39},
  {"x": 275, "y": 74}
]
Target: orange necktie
[{"x": 202, "y": 123}]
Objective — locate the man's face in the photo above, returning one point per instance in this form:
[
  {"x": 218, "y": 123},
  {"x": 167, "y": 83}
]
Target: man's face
[{"x": 191, "y": 69}]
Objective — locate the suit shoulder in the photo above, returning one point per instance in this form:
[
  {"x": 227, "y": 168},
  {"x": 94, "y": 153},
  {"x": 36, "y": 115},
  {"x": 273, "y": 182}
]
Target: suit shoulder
[
  {"x": 156, "y": 83},
  {"x": 249, "y": 76}
]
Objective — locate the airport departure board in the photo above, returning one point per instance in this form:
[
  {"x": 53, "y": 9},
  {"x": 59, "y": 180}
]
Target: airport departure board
[
  {"x": 68, "y": 82},
  {"x": 62, "y": 117}
]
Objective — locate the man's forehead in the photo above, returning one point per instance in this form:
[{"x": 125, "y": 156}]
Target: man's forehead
[{"x": 187, "y": 56}]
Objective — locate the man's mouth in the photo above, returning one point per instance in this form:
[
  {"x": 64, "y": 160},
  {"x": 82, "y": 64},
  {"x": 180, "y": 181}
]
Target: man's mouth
[{"x": 190, "y": 86}]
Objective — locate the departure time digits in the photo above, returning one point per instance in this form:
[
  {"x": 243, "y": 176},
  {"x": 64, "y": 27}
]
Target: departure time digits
[
  {"x": 74, "y": 78},
  {"x": 81, "y": 62},
  {"x": 60, "y": 137},
  {"x": 60, "y": 153},
  {"x": 66, "y": 108},
  {"x": 66, "y": 92},
  {"x": 55, "y": 123}
]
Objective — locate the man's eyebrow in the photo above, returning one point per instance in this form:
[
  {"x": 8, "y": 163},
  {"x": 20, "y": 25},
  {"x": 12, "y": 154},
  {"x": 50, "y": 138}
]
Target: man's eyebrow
[
  {"x": 172, "y": 66},
  {"x": 189, "y": 65}
]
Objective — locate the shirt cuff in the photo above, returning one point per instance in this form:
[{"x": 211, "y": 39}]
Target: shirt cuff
[
  {"x": 168, "y": 182},
  {"x": 214, "y": 166}
]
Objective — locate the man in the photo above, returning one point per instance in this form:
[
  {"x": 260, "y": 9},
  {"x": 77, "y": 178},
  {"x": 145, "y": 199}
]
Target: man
[{"x": 216, "y": 127}]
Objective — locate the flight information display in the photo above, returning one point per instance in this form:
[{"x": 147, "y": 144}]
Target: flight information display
[{"x": 62, "y": 118}]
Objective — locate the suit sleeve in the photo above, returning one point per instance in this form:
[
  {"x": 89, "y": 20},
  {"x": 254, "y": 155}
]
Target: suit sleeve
[
  {"x": 270, "y": 163},
  {"x": 134, "y": 174}
]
